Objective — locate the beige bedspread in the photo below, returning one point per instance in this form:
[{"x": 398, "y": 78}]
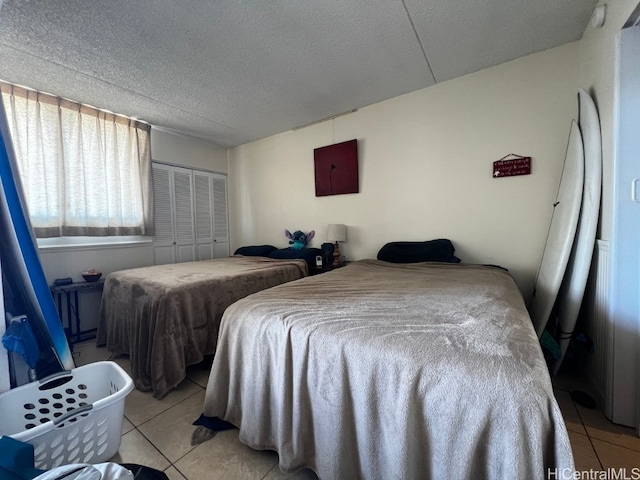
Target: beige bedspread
[
  {"x": 385, "y": 371},
  {"x": 166, "y": 317}
]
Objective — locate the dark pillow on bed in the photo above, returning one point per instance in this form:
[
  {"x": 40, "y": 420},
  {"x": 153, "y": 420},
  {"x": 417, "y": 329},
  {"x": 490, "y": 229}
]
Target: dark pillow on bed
[
  {"x": 307, "y": 254},
  {"x": 412, "y": 252},
  {"x": 255, "y": 251}
]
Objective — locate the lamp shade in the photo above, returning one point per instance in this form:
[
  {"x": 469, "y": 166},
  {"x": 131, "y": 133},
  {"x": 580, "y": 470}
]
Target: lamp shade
[{"x": 336, "y": 232}]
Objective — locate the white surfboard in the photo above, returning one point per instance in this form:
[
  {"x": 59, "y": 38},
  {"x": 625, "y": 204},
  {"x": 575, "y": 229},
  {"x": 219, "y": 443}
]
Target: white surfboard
[
  {"x": 575, "y": 279},
  {"x": 561, "y": 235}
]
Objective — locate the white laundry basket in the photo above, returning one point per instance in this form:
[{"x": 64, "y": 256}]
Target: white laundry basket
[{"x": 69, "y": 417}]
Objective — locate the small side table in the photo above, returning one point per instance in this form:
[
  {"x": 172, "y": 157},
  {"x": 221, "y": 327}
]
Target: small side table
[
  {"x": 68, "y": 290},
  {"x": 319, "y": 270}
]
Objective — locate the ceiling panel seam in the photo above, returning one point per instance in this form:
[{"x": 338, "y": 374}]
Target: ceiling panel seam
[
  {"x": 426, "y": 59},
  {"x": 234, "y": 72}
]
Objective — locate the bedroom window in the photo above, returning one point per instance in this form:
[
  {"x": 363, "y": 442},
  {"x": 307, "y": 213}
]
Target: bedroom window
[{"x": 85, "y": 172}]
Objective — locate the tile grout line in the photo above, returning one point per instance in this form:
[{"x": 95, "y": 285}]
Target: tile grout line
[
  {"x": 593, "y": 447},
  {"x": 165, "y": 410},
  {"x": 617, "y": 445},
  {"x": 171, "y": 464},
  {"x": 84, "y": 358},
  {"x": 271, "y": 469},
  {"x": 153, "y": 445},
  {"x": 177, "y": 470}
]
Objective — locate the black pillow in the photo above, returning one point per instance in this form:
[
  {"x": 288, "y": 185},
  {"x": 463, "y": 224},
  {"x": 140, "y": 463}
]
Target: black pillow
[
  {"x": 255, "y": 251},
  {"x": 412, "y": 252}
]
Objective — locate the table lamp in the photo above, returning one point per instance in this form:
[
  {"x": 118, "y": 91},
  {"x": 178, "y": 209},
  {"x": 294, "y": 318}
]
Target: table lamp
[{"x": 336, "y": 232}]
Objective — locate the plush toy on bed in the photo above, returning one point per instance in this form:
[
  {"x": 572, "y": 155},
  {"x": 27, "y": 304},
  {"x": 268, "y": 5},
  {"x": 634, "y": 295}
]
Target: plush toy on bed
[{"x": 299, "y": 239}]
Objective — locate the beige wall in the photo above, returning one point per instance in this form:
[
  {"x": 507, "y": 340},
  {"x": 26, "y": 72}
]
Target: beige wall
[
  {"x": 425, "y": 168},
  {"x": 187, "y": 151}
]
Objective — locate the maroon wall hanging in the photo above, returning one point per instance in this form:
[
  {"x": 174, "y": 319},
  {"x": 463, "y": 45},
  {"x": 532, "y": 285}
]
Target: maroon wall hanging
[
  {"x": 336, "y": 168},
  {"x": 512, "y": 167}
]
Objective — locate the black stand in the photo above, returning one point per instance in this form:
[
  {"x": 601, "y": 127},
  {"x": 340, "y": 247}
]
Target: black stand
[{"x": 73, "y": 311}]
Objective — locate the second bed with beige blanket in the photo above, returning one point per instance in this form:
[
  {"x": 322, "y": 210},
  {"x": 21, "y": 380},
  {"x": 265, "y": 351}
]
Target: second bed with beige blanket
[
  {"x": 166, "y": 317},
  {"x": 383, "y": 371}
]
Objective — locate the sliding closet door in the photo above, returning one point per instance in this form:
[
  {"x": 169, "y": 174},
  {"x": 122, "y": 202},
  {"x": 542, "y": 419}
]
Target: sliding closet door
[
  {"x": 203, "y": 190},
  {"x": 185, "y": 234},
  {"x": 163, "y": 241},
  {"x": 190, "y": 208},
  {"x": 625, "y": 245},
  {"x": 174, "y": 239},
  {"x": 221, "y": 225}
]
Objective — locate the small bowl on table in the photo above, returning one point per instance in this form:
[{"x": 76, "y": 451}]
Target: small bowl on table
[{"x": 91, "y": 276}]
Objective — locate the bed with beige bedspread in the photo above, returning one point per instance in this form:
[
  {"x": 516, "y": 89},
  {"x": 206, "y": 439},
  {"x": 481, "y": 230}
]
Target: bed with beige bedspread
[
  {"x": 166, "y": 317},
  {"x": 380, "y": 371}
]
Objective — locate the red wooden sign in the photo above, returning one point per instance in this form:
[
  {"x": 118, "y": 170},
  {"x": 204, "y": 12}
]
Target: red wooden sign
[{"x": 512, "y": 167}]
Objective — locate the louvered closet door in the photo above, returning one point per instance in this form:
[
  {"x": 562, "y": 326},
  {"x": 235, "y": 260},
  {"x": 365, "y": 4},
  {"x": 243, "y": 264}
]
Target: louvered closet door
[
  {"x": 221, "y": 225},
  {"x": 164, "y": 239},
  {"x": 183, "y": 200},
  {"x": 203, "y": 188}
]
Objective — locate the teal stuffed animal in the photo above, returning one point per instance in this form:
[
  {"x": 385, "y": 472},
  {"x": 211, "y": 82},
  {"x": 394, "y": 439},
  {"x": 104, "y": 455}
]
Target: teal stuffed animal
[{"x": 299, "y": 239}]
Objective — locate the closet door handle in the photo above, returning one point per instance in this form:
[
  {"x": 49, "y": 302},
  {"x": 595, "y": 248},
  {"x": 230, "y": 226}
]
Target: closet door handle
[{"x": 634, "y": 190}]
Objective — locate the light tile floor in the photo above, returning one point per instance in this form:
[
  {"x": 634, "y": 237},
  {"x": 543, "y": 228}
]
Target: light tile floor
[{"x": 158, "y": 433}]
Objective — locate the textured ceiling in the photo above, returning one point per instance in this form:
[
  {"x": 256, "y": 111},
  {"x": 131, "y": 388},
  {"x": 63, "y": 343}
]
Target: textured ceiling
[{"x": 233, "y": 71}]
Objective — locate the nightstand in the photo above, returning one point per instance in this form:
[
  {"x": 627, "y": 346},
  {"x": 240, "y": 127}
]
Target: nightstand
[{"x": 319, "y": 270}]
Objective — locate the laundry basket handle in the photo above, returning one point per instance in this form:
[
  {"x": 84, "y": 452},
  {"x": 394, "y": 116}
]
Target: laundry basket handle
[
  {"x": 55, "y": 380},
  {"x": 72, "y": 413}
]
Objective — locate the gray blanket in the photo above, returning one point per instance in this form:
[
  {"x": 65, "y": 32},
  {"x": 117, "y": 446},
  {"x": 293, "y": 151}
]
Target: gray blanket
[
  {"x": 166, "y": 317},
  {"x": 385, "y": 371}
]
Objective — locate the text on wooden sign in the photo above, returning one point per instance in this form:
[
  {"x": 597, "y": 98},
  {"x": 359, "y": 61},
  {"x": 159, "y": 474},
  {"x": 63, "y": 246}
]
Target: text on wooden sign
[{"x": 512, "y": 167}]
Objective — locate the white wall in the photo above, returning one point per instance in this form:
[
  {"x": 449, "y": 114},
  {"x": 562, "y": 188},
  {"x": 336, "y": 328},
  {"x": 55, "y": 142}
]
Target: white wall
[
  {"x": 425, "y": 165},
  {"x": 187, "y": 151},
  {"x": 61, "y": 262}
]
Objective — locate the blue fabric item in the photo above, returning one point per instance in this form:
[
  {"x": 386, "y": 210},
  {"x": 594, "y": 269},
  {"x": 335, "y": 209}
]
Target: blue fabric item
[
  {"x": 16, "y": 460},
  {"x": 307, "y": 254},
  {"x": 255, "y": 250},
  {"x": 299, "y": 239},
  {"x": 214, "y": 423},
  {"x": 19, "y": 338}
]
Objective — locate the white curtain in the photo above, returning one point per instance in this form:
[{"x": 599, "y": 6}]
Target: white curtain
[{"x": 84, "y": 171}]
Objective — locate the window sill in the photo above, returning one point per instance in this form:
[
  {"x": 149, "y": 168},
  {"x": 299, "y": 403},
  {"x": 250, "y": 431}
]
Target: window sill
[{"x": 91, "y": 243}]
